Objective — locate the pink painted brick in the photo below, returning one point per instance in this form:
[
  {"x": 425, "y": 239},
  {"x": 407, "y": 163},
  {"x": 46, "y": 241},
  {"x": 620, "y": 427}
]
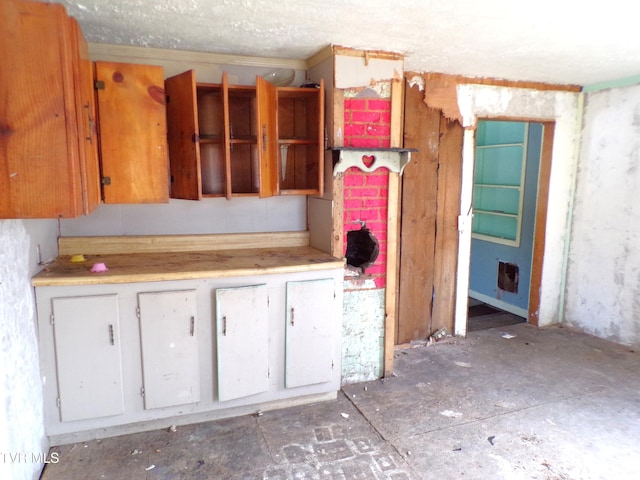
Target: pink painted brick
[
  {"x": 376, "y": 269},
  {"x": 364, "y": 142},
  {"x": 380, "y": 203},
  {"x": 351, "y": 130},
  {"x": 385, "y": 143},
  {"x": 370, "y": 214},
  {"x": 380, "y": 282},
  {"x": 380, "y": 228},
  {"x": 378, "y": 130},
  {"x": 355, "y": 104},
  {"x": 375, "y": 104},
  {"x": 385, "y": 118},
  {"x": 353, "y": 204},
  {"x": 365, "y": 117},
  {"x": 364, "y": 192},
  {"x": 353, "y": 179},
  {"x": 380, "y": 178},
  {"x": 347, "y": 116}
]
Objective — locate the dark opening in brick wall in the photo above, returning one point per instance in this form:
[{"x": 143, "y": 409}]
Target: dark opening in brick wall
[{"x": 362, "y": 248}]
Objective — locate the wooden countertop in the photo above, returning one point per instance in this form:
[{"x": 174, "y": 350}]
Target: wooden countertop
[{"x": 159, "y": 266}]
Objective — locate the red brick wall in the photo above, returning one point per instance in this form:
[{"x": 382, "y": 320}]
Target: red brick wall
[{"x": 367, "y": 124}]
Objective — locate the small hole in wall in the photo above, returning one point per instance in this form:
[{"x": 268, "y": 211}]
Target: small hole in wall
[
  {"x": 508, "y": 274},
  {"x": 362, "y": 248}
]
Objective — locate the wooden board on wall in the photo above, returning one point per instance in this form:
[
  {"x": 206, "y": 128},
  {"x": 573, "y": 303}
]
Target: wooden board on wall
[
  {"x": 446, "y": 253},
  {"x": 418, "y": 229}
]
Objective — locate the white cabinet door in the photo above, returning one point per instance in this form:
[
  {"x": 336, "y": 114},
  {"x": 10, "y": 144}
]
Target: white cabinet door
[
  {"x": 88, "y": 357},
  {"x": 168, "y": 333},
  {"x": 310, "y": 317},
  {"x": 242, "y": 331}
]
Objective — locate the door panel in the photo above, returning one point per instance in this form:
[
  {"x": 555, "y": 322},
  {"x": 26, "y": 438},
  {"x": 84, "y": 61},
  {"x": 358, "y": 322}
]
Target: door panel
[
  {"x": 310, "y": 331},
  {"x": 170, "y": 361},
  {"x": 242, "y": 333},
  {"x": 88, "y": 357}
]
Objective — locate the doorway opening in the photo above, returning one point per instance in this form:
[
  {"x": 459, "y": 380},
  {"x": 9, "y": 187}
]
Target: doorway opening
[{"x": 505, "y": 190}]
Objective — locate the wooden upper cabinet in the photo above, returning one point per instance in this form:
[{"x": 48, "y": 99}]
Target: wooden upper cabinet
[
  {"x": 41, "y": 151},
  {"x": 133, "y": 132},
  {"x": 239, "y": 140}
]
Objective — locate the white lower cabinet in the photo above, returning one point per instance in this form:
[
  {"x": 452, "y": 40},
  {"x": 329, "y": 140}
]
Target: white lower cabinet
[
  {"x": 121, "y": 358},
  {"x": 169, "y": 341},
  {"x": 242, "y": 334},
  {"x": 88, "y": 357}
]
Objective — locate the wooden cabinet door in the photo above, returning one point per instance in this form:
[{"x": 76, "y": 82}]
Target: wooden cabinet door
[
  {"x": 267, "y": 137},
  {"x": 133, "y": 132},
  {"x": 183, "y": 135},
  {"x": 310, "y": 332},
  {"x": 170, "y": 358},
  {"x": 39, "y": 160},
  {"x": 88, "y": 356},
  {"x": 242, "y": 336},
  {"x": 301, "y": 140}
]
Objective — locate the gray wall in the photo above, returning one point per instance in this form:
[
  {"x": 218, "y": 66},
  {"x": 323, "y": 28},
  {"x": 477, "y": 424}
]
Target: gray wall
[{"x": 602, "y": 294}]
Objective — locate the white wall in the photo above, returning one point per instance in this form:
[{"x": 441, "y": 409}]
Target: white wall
[
  {"x": 603, "y": 279},
  {"x": 21, "y": 416}
]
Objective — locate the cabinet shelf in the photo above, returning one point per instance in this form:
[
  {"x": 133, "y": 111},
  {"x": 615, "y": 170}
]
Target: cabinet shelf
[
  {"x": 245, "y": 140},
  {"x": 492, "y": 185},
  {"x": 297, "y": 141},
  {"x": 497, "y": 212}
]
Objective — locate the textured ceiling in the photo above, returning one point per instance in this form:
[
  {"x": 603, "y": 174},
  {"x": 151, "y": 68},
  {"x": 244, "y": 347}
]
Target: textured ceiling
[{"x": 579, "y": 42}]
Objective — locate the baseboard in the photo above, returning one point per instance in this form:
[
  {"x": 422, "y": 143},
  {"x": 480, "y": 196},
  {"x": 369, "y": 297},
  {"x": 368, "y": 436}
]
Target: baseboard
[{"x": 494, "y": 302}]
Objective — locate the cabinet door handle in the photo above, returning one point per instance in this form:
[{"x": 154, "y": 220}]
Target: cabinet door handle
[
  {"x": 293, "y": 318},
  {"x": 224, "y": 326},
  {"x": 112, "y": 339},
  {"x": 264, "y": 138},
  {"x": 192, "y": 327},
  {"x": 90, "y": 120}
]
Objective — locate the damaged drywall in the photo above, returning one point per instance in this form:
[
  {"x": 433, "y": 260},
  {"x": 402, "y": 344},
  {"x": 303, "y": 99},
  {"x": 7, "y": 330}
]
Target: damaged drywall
[
  {"x": 353, "y": 71},
  {"x": 603, "y": 278}
]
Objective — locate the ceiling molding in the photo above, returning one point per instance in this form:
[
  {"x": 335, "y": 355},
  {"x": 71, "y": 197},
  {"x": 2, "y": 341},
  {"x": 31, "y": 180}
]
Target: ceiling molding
[{"x": 131, "y": 53}]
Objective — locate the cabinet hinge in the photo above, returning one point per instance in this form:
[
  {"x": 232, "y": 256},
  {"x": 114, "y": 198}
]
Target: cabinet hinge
[
  {"x": 58, "y": 402},
  {"x": 268, "y": 373},
  {"x": 52, "y": 320},
  {"x": 105, "y": 180},
  {"x": 99, "y": 85},
  {"x": 332, "y": 364},
  {"x": 138, "y": 312},
  {"x": 142, "y": 391},
  {"x": 196, "y": 138}
]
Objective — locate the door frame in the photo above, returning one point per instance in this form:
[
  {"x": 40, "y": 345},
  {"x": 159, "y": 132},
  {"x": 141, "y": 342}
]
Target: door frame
[
  {"x": 560, "y": 113},
  {"x": 542, "y": 197}
]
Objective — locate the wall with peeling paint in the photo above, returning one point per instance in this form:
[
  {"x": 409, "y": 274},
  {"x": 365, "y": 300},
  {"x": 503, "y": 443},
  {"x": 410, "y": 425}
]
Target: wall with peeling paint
[
  {"x": 603, "y": 277},
  {"x": 21, "y": 415}
]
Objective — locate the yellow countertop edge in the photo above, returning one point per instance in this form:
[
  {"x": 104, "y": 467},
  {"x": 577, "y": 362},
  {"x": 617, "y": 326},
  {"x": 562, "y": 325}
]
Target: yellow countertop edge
[{"x": 109, "y": 279}]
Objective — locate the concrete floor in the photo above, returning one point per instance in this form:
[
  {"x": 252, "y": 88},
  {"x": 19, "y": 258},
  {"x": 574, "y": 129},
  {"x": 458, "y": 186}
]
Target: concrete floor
[{"x": 544, "y": 404}]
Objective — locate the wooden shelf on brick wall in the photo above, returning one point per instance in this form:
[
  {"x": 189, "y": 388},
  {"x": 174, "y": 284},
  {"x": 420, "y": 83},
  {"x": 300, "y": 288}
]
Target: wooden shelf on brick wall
[{"x": 370, "y": 159}]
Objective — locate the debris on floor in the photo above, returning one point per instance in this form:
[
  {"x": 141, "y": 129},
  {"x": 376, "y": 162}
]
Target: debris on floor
[{"x": 451, "y": 414}]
